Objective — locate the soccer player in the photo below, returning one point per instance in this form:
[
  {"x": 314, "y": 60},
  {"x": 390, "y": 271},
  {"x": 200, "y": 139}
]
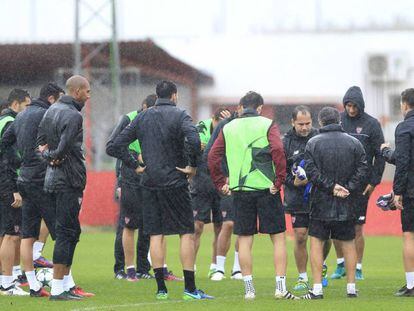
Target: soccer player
[
  {"x": 257, "y": 170},
  {"x": 332, "y": 212},
  {"x": 297, "y": 189},
  {"x": 131, "y": 208},
  {"x": 10, "y": 198},
  {"x": 403, "y": 186},
  {"x": 205, "y": 199},
  {"x": 357, "y": 123},
  {"x": 170, "y": 150},
  {"x": 227, "y": 210},
  {"x": 37, "y": 204},
  {"x": 60, "y": 140}
]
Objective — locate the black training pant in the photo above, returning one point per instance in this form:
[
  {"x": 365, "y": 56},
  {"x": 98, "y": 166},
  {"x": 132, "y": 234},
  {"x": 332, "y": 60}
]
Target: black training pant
[
  {"x": 68, "y": 228},
  {"x": 131, "y": 209}
]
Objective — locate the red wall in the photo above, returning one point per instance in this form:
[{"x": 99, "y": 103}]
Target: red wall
[{"x": 100, "y": 209}]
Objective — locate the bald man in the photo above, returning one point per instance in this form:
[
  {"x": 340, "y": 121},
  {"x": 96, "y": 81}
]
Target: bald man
[{"x": 60, "y": 143}]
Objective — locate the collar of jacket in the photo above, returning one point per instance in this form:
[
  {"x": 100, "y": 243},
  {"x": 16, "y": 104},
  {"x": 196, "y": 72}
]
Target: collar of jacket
[
  {"x": 9, "y": 112},
  {"x": 331, "y": 128},
  {"x": 69, "y": 100},
  {"x": 249, "y": 112},
  {"x": 40, "y": 103},
  {"x": 292, "y": 132},
  {"x": 164, "y": 101},
  {"x": 409, "y": 114}
]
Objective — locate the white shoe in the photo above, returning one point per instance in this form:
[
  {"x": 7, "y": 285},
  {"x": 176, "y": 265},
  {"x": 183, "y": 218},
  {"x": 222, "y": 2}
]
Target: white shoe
[
  {"x": 249, "y": 296},
  {"x": 217, "y": 276},
  {"x": 285, "y": 295},
  {"x": 237, "y": 275},
  {"x": 14, "y": 291}
]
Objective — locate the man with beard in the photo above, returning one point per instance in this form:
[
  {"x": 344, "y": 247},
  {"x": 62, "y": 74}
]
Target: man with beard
[{"x": 297, "y": 188}]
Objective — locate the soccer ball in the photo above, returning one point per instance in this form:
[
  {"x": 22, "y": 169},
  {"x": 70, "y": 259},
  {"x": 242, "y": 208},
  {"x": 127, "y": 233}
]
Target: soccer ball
[{"x": 45, "y": 276}]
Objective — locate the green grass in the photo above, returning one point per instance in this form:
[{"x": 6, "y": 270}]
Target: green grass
[{"x": 93, "y": 271}]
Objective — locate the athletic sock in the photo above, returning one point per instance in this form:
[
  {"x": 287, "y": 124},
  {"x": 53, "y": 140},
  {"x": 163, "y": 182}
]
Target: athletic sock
[
  {"x": 359, "y": 266},
  {"x": 350, "y": 288},
  {"x": 159, "y": 277},
  {"x": 68, "y": 282},
  {"x": 149, "y": 258},
  {"x": 281, "y": 284},
  {"x": 37, "y": 249},
  {"x": 165, "y": 269},
  {"x": 221, "y": 261},
  {"x": 213, "y": 266},
  {"x": 236, "y": 264},
  {"x": 57, "y": 287},
  {"x": 409, "y": 276},
  {"x": 189, "y": 281},
  {"x": 248, "y": 284},
  {"x": 324, "y": 263},
  {"x": 33, "y": 282},
  {"x": 317, "y": 289},
  {"x": 7, "y": 281},
  {"x": 131, "y": 272},
  {"x": 303, "y": 276},
  {"x": 17, "y": 271},
  {"x": 340, "y": 261}
]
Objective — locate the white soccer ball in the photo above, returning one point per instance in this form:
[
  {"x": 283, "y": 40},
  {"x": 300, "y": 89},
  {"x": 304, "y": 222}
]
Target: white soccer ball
[{"x": 45, "y": 276}]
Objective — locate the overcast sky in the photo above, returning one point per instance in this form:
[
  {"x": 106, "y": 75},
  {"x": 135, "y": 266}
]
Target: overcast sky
[{"x": 53, "y": 20}]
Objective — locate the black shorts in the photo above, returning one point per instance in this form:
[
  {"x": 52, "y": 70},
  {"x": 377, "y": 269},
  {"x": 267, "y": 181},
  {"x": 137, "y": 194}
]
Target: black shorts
[
  {"x": 300, "y": 220},
  {"x": 167, "y": 211},
  {"x": 206, "y": 207},
  {"x": 37, "y": 205},
  {"x": 131, "y": 207},
  {"x": 11, "y": 218},
  {"x": 361, "y": 207},
  {"x": 227, "y": 207},
  {"x": 252, "y": 207},
  {"x": 407, "y": 215},
  {"x": 337, "y": 230}
]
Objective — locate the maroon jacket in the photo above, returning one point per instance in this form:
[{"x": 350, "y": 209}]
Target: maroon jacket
[{"x": 277, "y": 152}]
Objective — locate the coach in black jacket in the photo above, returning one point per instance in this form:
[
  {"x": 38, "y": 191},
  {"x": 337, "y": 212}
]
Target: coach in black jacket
[
  {"x": 37, "y": 204},
  {"x": 60, "y": 139},
  {"x": 295, "y": 199},
  {"x": 336, "y": 166},
  {"x": 403, "y": 187}
]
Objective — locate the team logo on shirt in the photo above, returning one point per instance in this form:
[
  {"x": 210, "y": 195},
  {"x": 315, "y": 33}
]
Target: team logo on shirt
[
  {"x": 127, "y": 220},
  {"x": 359, "y": 130},
  {"x": 224, "y": 214},
  {"x": 296, "y": 152}
]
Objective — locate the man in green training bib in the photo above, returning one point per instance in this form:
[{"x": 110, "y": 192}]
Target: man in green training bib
[{"x": 257, "y": 170}]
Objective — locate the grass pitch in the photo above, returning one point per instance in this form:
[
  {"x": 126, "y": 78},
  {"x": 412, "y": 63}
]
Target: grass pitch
[{"x": 93, "y": 271}]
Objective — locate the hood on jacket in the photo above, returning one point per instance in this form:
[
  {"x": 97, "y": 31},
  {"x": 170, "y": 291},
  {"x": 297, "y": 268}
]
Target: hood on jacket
[{"x": 354, "y": 95}]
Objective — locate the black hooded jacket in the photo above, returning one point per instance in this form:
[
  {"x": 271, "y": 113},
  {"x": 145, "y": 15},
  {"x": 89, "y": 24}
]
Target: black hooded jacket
[
  {"x": 294, "y": 146},
  {"x": 23, "y": 132},
  {"x": 334, "y": 157},
  {"x": 403, "y": 157},
  {"x": 61, "y": 128},
  {"x": 368, "y": 131},
  {"x": 162, "y": 132},
  {"x": 9, "y": 159}
]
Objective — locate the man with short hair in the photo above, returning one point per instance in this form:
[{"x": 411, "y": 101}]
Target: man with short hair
[
  {"x": 257, "y": 170},
  {"x": 334, "y": 186},
  {"x": 10, "y": 198},
  {"x": 170, "y": 150},
  {"x": 296, "y": 191},
  {"x": 403, "y": 186},
  {"x": 359, "y": 124},
  {"x": 60, "y": 139},
  {"x": 37, "y": 204},
  {"x": 131, "y": 209}
]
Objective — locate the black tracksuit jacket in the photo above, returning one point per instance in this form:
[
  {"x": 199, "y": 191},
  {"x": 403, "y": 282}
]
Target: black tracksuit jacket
[
  {"x": 334, "y": 157},
  {"x": 61, "y": 128}
]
